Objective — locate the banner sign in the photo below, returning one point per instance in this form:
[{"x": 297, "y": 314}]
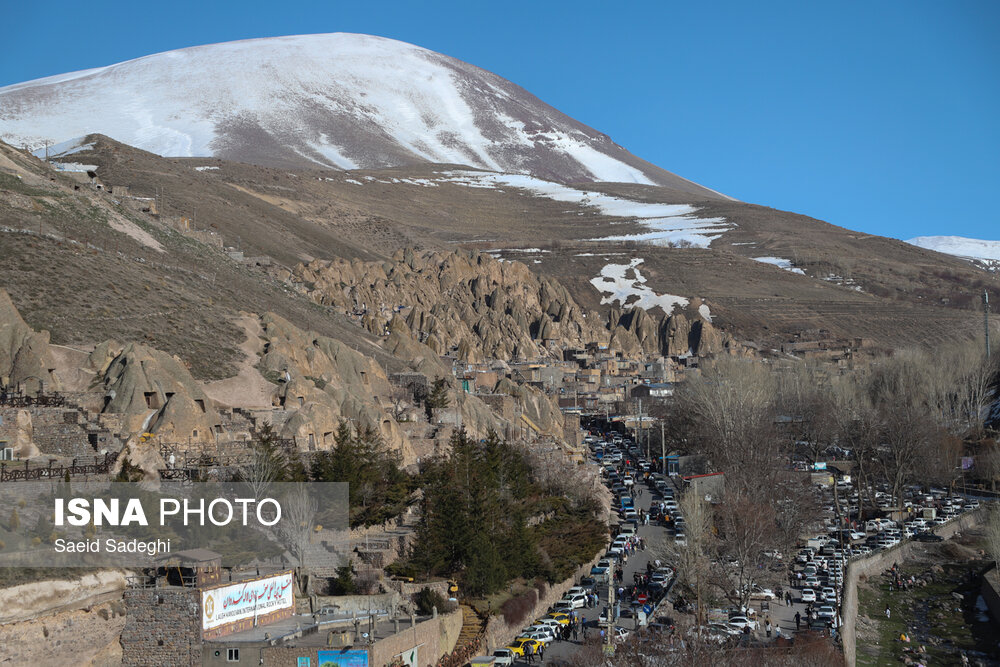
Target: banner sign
[
  {"x": 248, "y": 599},
  {"x": 342, "y": 658}
]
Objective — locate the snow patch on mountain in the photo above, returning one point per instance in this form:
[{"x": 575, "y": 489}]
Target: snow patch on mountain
[
  {"x": 781, "y": 263},
  {"x": 666, "y": 224},
  {"x": 959, "y": 246},
  {"x": 63, "y": 148},
  {"x": 335, "y": 100},
  {"x": 632, "y": 291}
]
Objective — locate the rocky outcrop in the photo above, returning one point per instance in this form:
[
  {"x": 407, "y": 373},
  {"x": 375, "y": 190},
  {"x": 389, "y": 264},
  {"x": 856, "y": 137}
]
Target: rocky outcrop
[
  {"x": 323, "y": 382},
  {"x": 25, "y": 359},
  {"x": 478, "y": 308},
  {"x": 154, "y": 392},
  {"x": 461, "y": 301}
]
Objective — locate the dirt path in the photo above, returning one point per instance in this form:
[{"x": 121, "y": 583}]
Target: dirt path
[{"x": 248, "y": 388}]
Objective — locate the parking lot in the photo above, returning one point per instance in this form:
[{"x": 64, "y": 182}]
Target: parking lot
[{"x": 800, "y": 589}]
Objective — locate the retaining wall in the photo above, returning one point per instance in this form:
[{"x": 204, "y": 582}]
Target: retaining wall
[
  {"x": 499, "y": 633},
  {"x": 880, "y": 562}
]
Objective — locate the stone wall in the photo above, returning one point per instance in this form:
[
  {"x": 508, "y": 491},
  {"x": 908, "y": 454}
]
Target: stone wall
[
  {"x": 879, "y": 562},
  {"x": 60, "y": 432},
  {"x": 162, "y": 627},
  {"x": 435, "y": 637},
  {"x": 499, "y": 633},
  {"x": 346, "y": 604}
]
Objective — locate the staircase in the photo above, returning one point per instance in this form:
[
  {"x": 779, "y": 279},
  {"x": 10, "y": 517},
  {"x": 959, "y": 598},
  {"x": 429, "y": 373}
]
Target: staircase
[{"x": 470, "y": 639}]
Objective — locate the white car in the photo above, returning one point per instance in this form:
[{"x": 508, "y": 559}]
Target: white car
[
  {"x": 541, "y": 637},
  {"x": 540, "y": 628},
  {"x": 503, "y": 656},
  {"x": 762, "y": 593},
  {"x": 576, "y": 601},
  {"x": 619, "y": 634},
  {"x": 826, "y": 611},
  {"x": 807, "y": 595},
  {"x": 828, "y": 594},
  {"x": 740, "y": 622}
]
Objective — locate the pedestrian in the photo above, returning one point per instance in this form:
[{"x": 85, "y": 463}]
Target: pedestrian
[
  {"x": 767, "y": 628},
  {"x": 576, "y": 633},
  {"x": 888, "y": 612},
  {"x": 777, "y": 632},
  {"x": 529, "y": 653},
  {"x": 541, "y": 652},
  {"x": 798, "y": 621}
]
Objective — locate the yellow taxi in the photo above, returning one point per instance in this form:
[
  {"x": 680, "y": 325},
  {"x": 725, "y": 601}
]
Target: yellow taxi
[
  {"x": 520, "y": 645},
  {"x": 558, "y": 616}
]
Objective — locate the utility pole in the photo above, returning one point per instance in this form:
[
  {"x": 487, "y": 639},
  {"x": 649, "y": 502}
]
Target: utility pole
[
  {"x": 608, "y": 639},
  {"x": 638, "y": 430},
  {"x": 986, "y": 320},
  {"x": 663, "y": 450}
]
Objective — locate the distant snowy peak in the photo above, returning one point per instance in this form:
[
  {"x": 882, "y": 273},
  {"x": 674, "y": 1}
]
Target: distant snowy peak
[
  {"x": 336, "y": 100},
  {"x": 987, "y": 251}
]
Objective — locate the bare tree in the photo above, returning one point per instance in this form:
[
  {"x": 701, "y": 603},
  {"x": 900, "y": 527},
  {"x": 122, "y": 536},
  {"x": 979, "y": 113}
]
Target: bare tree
[
  {"x": 733, "y": 407},
  {"x": 695, "y": 557},
  {"x": 298, "y": 518},
  {"x": 263, "y": 464},
  {"x": 747, "y": 528}
]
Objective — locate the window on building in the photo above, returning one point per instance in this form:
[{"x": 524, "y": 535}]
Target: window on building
[{"x": 232, "y": 655}]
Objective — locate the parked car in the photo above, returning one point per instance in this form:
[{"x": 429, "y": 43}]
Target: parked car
[
  {"x": 520, "y": 645},
  {"x": 825, "y": 612},
  {"x": 807, "y": 595},
  {"x": 541, "y": 637},
  {"x": 548, "y": 631},
  {"x": 503, "y": 657},
  {"x": 759, "y": 593},
  {"x": 740, "y": 622},
  {"x": 928, "y": 537},
  {"x": 575, "y": 601}
]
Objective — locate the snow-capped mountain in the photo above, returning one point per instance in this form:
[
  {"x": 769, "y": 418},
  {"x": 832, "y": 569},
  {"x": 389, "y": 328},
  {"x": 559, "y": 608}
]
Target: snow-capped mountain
[
  {"x": 336, "y": 100},
  {"x": 976, "y": 249}
]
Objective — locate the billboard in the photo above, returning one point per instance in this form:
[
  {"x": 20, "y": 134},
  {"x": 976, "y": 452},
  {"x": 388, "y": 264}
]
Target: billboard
[
  {"x": 247, "y": 599},
  {"x": 342, "y": 658}
]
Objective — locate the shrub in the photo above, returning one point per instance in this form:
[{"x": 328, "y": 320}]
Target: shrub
[
  {"x": 426, "y": 599},
  {"x": 517, "y": 608}
]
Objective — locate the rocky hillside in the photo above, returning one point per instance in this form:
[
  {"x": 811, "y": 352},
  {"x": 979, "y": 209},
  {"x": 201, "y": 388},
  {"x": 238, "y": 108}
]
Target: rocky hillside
[{"x": 483, "y": 308}]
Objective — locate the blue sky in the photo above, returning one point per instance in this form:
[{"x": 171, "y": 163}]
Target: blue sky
[{"x": 877, "y": 116}]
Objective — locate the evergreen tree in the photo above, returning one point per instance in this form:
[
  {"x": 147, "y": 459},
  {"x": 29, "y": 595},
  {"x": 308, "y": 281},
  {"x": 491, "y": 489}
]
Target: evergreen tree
[{"x": 438, "y": 398}]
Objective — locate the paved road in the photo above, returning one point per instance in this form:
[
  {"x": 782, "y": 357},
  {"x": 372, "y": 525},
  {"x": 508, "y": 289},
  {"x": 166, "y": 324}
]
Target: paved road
[{"x": 653, "y": 534}]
